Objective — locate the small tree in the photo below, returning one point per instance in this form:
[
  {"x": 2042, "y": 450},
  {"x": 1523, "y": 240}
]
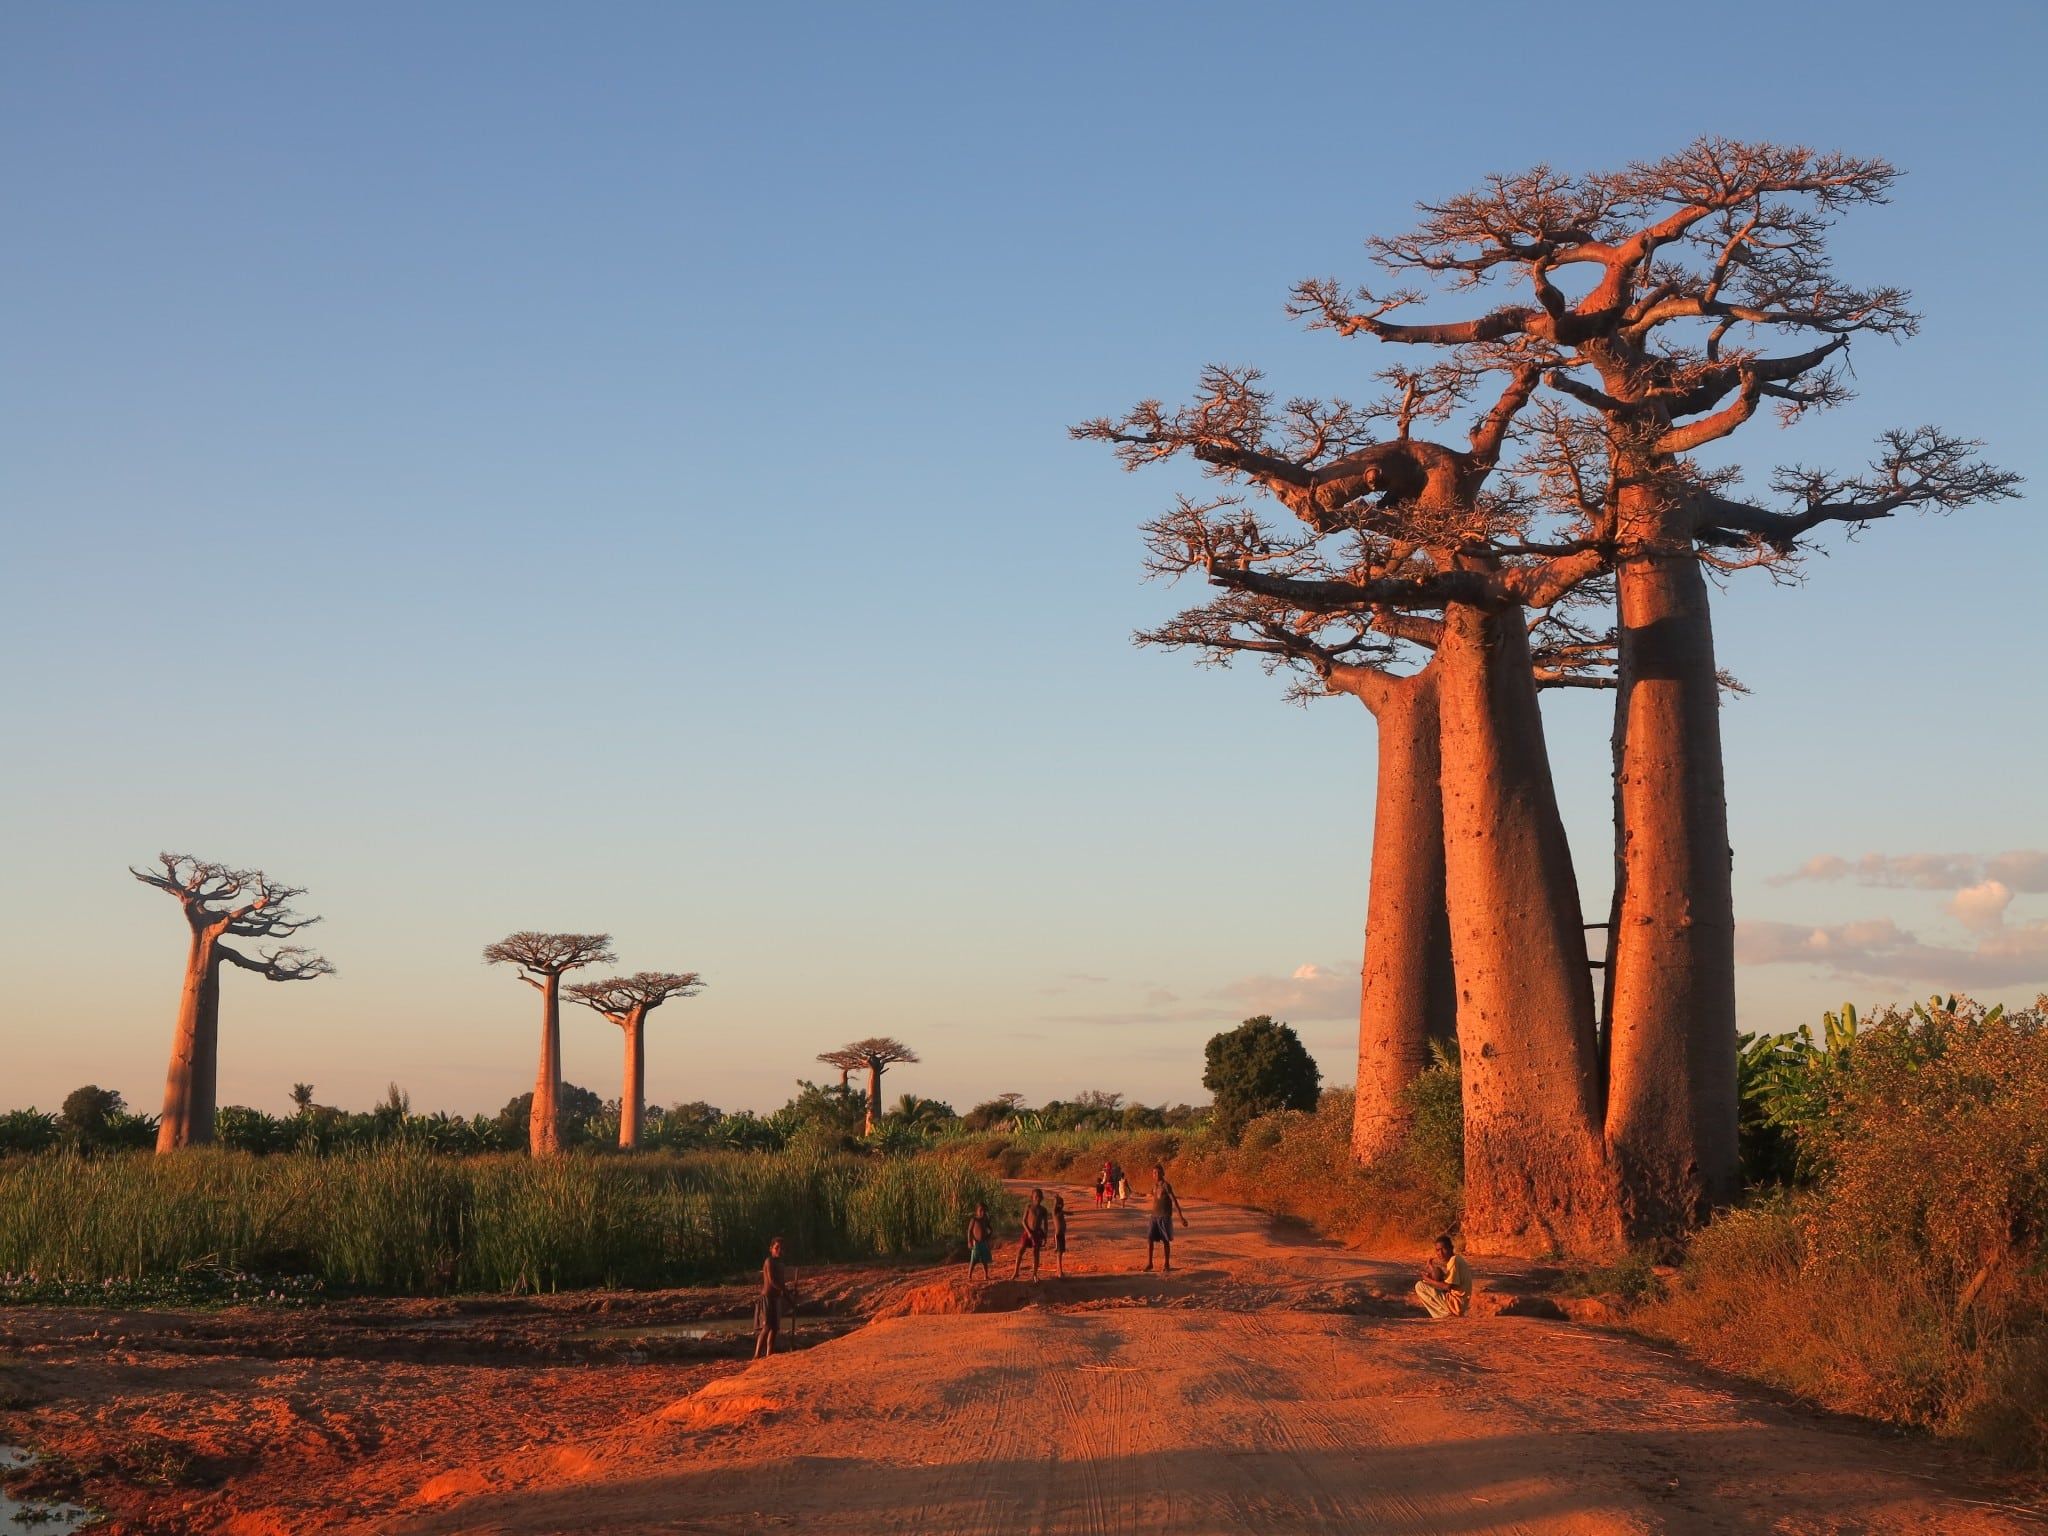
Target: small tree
[
  {"x": 1256, "y": 1068},
  {"x": 88, "y": 1115},
  {"x": 219, "y": 903},
  {"x": 626, "y": 1001},
  {"x": 542, "y": 958},
  {"x": 302, "y": 1098},
  {"x": 874, "y": 1056}
]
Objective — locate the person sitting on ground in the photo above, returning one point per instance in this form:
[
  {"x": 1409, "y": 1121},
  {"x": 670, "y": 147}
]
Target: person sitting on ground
[
  {"x": 768, "y": 1307},
  {"x": 1033, "y": 1238},
  {"x": 1059, "y": 1235},
  {"x": 1445, "y": 1290},
  {"x": 980, "y": 1234},
  {"x": 1165, "y": 1206}
]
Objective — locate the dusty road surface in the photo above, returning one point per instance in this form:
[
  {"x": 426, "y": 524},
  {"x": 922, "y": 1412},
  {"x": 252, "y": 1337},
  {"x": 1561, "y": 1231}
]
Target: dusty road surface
[
  {"x": 1232, "y": 1399},
  {"x": 1272, "y": 1383}
]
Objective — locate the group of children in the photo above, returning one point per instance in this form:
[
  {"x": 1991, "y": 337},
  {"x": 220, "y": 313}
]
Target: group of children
[{"x": 1043, "y": 1224}]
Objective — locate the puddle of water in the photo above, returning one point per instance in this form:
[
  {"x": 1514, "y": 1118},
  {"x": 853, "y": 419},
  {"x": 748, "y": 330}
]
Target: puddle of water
[
  {"x": 703, "y": 1328},
  {"x": 35, "y": 1514}
]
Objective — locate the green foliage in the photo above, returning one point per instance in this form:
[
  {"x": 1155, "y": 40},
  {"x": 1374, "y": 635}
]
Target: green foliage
[
  {"x": 1435, "y": 1152},
  {"x": 1257, "y": 1068},
  {"x": 399, "y": 1218},
  {"x": 1906, "y": 1276},
  {"x": 27, "y": 1130}
]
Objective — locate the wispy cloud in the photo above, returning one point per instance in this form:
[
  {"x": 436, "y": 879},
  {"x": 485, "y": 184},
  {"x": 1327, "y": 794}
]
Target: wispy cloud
[
  {"x": 2021, "y": 869},
  {"x": 1309, "y": 992},
  {"x": 1881, "y": 950}
]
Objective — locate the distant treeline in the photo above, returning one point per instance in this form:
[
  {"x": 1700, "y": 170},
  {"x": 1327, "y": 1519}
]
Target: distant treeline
[{"x": 94, "y": 1120}]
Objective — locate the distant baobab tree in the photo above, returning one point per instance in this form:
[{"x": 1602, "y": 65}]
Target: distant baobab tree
[
  {"x": 542, "y": 958},
  {"x": 846, "y": 1061},
  {"x": 626, "y": 1001},
  {"x": 219, "y": 903},
  {"x": 873, "y": 1056}
]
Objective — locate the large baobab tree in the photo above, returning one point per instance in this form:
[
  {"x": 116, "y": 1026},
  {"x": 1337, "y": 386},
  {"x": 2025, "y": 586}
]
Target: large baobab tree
[
  {"x": 1408, "y": 995},
  {"x": 1669, "y": 301},
  {"x": 1409, "y": 526},
  {"x": 626, "y": 1001},
  {"x": 542, "y": 958},
  {"x": 873, "y": 1056},
  {"x": 219, "y": 903}
]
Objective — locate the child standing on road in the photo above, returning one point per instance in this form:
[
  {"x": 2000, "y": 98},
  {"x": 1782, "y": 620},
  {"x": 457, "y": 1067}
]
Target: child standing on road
[
  {"x": 1059, "y": 1234},
  {"x": 1033, "y": 1238},
  {"x": 980, "y": 1232}
]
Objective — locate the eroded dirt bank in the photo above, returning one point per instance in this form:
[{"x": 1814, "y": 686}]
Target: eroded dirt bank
[{"x": 1272, "y": 1384}]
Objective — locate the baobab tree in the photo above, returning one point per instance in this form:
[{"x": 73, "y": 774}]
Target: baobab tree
[
  {"x": 1408, "y": 993},
  {"x": 1410, "y": 526},
  {"x": 874, "y": 1056},
  {"x": 219, "y": 903},
  {"x": 542, "y": 958},
  {"x": 847, "y": 1063},
  {"x": 1659, "y": 300},
  {"x": 626, "y": 1001}
]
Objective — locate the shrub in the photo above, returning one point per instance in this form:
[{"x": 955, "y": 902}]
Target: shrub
[{"x": 1909, "y": 1279}]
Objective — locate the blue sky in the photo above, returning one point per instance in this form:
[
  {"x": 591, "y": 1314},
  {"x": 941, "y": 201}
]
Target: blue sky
[{"x": 604, "y": 468}]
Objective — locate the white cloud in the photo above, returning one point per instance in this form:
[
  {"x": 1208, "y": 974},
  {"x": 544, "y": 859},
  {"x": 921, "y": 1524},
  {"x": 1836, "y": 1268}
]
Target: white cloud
[
  {"x": 1310, "y": 992},
  {"x": 2022, "y": 869},
  {"x": 1981, "y": 907},
  {"x": 1881, "y": 950}
]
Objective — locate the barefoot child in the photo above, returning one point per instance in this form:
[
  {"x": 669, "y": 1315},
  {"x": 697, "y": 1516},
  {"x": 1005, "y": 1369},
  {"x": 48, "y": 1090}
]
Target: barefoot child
[
  {"x": 768, "y": 1307},
  {"x": 980, "y": 1232},
  {"x": 1033, "y": 1238},
  {"x": 1059, "y": 1235},
  {"x": 1165, "y": 1206}
]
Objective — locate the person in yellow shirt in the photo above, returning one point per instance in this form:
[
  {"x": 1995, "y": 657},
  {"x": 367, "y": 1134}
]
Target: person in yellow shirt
[{"x": 1446, "y": 1289}]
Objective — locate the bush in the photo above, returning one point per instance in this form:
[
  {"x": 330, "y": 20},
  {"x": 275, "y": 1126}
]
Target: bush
[
  {"x": 1909, "y": 1279},
  {"x": 1255, "y": 1069}
]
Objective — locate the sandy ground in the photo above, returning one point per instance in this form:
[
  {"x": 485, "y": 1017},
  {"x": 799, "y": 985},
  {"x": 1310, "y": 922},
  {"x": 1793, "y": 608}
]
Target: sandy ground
[{"x": 1273, "y": 1383}]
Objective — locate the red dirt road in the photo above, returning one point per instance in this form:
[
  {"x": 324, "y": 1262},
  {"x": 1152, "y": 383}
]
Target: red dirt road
[{"x": 1271, "y": 1385}]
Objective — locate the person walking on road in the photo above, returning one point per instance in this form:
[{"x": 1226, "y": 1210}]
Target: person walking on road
[
  {"x": 768, "y": 1308},
  {"x": 1165, "y": 1206},
  {"x": 1059, "y": 1235}
]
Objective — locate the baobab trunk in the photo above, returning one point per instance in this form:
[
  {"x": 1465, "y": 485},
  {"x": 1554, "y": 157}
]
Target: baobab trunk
[
  {"x": 193, "y": 1052},
  {"x": 1535, "y": 1176},
  {"x": 544, "y": 1128},
  {"x": 1409, "y": 995},
  {"x": 1671, "y": 1099},
  {"x": 874, "y": 1100},
  {"x": 635, "y": 1093}
]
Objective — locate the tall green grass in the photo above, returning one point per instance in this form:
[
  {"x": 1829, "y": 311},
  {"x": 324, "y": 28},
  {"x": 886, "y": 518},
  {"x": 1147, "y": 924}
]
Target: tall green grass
[{"x": 400, "y": 1219}]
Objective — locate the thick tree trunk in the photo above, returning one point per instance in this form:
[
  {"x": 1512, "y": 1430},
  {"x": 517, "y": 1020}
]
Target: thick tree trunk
[
  {"x": 874, "y": 1100},
  {"x": 1409, "y": 996},
  {"x": 1535, "y": 1176},
  {"x": 206, "y": 1062},
  {"x": 191, "y": 1051},
  {"x": 633, "y": 1096},
  {"x": 544, "y": 1129},
  {"x": 1671, "y": 1098}
]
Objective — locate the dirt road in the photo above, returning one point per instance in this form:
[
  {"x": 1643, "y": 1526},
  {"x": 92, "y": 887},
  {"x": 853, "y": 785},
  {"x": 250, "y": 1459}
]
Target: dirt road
[{"x": 1236, "y": 1397}]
